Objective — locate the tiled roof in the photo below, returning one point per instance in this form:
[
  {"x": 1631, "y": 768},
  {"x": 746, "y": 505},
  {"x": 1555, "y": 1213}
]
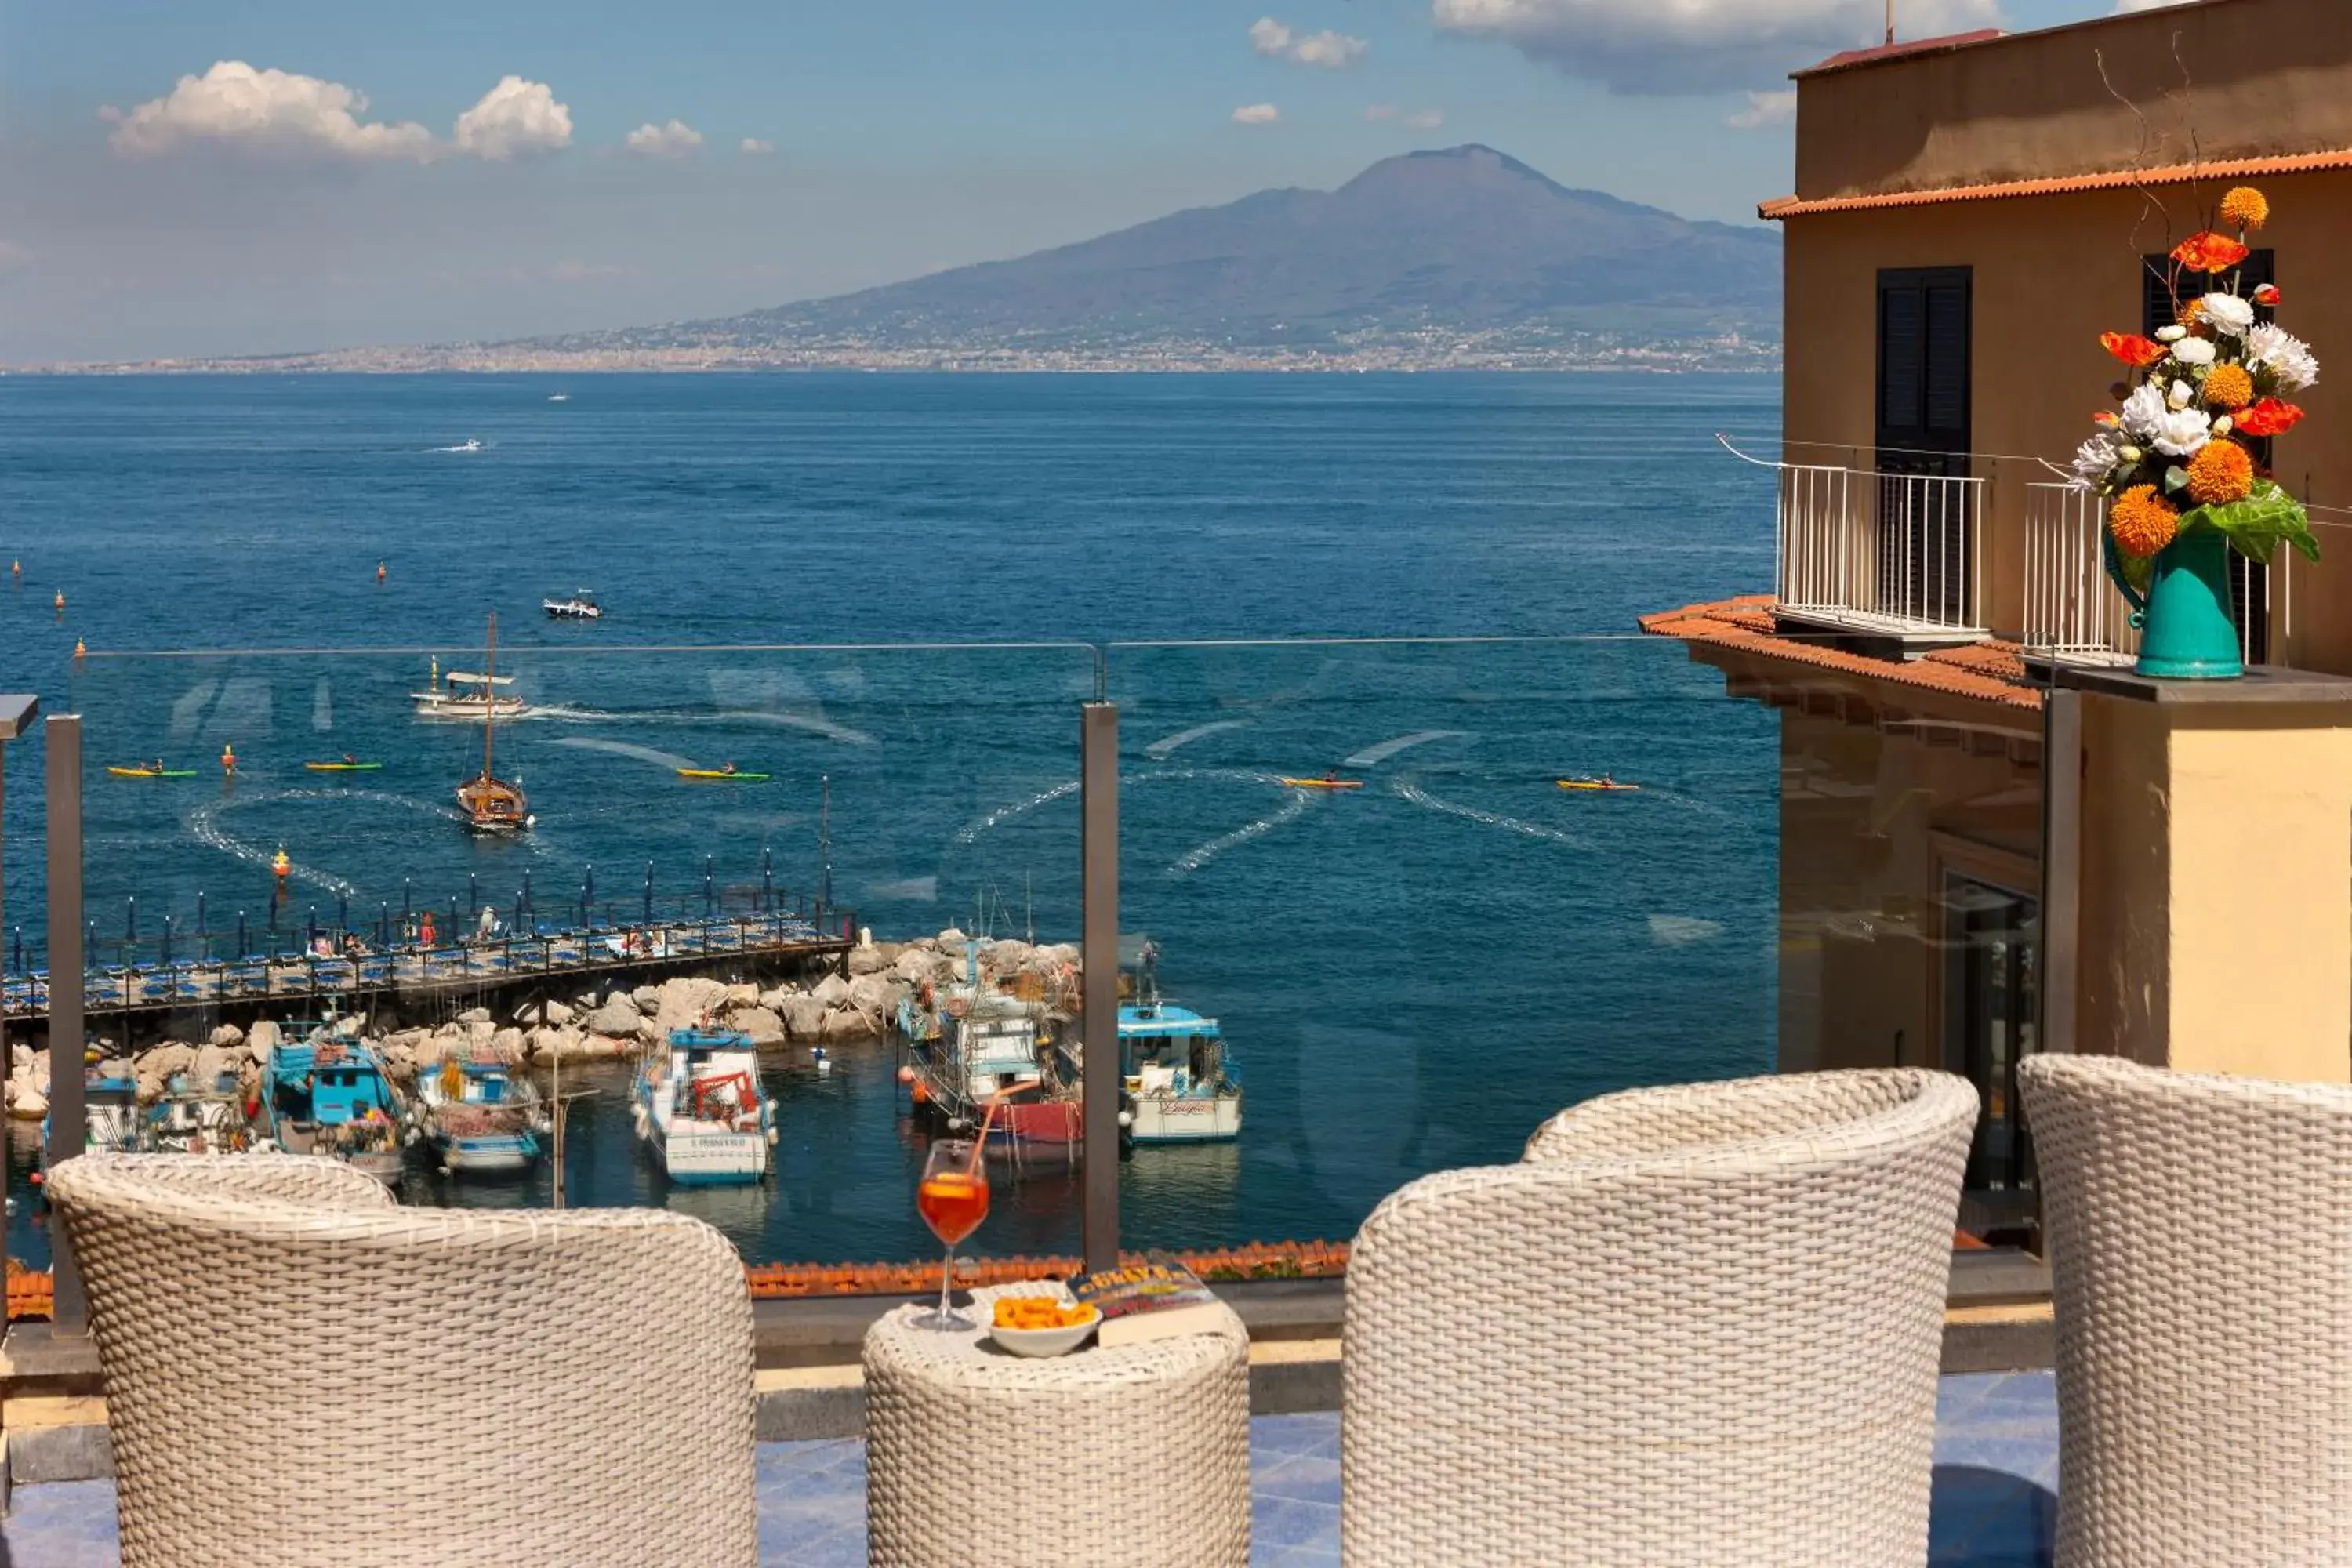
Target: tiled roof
[
  {"x": 1908, "y": 46},
  {"x": 1990, "y": 671},
  {"x": 2065, "y": 185}
]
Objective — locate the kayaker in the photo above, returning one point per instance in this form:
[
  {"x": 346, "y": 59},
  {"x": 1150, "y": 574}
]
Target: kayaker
[
  {"x": 350, "y": 760},
  {"x": 726, "y": 767},
  {"x": 1330, "y": 775}
]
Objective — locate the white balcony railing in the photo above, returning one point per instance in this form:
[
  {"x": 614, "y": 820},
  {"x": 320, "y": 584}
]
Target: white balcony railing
[
  {"x": 2073, "y": 610},
  {"x": 1869, "y": 550}
]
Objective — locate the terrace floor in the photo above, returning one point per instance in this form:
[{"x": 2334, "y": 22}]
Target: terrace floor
[{"x": 1995, "y": 1481}]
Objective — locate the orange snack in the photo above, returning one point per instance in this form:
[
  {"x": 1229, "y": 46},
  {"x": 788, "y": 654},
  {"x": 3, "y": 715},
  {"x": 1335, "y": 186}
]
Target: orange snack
[{"x": 1040, "y": 1312}]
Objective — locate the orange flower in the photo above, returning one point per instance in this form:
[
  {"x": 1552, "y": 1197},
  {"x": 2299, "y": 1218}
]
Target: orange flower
[
  {"x": 2246, "y": 207},
  {"x": 2132, "y": 349},
  {"x": 2220, "y": 473},
  {"x": 2271, "y": 416},
  {"x": 2228, "y": 386},
  {"x": 2141, "y": 521},
  {"x": 2209, "y": 252}
]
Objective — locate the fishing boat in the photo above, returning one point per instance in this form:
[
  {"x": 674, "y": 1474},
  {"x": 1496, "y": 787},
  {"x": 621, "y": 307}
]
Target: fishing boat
[
  {"x": 1178, "y": 1087},
  {"x": 348, "y": 765},
  {"x": 109, "y": 1099},
  {"x": 730, "y": 774},
  {"x": 1604, "y": 784},
  {"x": 193, "y": 1116},
  {"x": 480, "y": 1118},
  {"x": 1323, "y": 783},
  {"x": 327, "y": 1094},
  {"x": 967, "y": 1043},
  {"x": 465, "y": 696},
  {"x": 492, "y": 804},
  {"x": 700, "y": 1112},
  {"x": 152, "y": 771},
  {"x": 581, "y": 606}
]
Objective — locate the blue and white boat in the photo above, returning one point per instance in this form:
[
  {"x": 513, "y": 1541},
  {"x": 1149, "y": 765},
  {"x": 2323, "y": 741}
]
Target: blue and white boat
[
  {"x": 700, "y": 1110},
  {"x": 326, "y": 1094},
  {"x": 1179, "y": 1087},
  {"x": 482, "y": 1118}
]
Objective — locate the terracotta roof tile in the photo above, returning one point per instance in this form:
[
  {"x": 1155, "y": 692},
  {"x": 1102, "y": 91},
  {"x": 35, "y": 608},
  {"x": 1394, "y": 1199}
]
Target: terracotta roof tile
[
  {"x": 1908, "y": 46},
  {"x": 2066, "y": 184},
  {"x": 1990, "y": 671}
]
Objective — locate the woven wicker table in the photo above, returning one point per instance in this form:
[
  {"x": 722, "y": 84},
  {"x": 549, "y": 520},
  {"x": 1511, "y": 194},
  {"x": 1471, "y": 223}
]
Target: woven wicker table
[{"x": 979, "y": 1458}]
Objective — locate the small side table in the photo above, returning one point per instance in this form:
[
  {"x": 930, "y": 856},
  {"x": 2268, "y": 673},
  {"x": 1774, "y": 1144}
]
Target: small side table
[{"x": 975, "y": 1457}]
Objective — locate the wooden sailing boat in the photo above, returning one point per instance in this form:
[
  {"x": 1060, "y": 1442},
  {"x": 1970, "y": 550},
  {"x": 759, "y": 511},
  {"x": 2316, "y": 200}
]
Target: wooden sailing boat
[{"x": 491, "y": 804}]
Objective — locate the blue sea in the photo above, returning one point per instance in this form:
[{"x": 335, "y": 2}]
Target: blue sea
[{"x": 799, "y": 573}]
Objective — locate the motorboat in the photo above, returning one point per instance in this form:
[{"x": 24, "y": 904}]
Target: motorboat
[
  {"x": 470, "y": 444},
  {"x": 468, "y": 697},
  {"x": 581, "y": 606},
  {"x": 329, "y": 1095},
  {"x": 700, "y": 1111},
  {"x": 1178, "y": 1086},
  {"x": 558, "y": 397}
]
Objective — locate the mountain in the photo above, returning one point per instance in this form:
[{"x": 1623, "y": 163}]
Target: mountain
[{"x": 1463, "y": 241}]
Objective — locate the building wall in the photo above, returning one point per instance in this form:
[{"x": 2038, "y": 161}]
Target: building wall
[
  {"x": 2051, "y": 273},
  {"x": 2265, "y": 77}
]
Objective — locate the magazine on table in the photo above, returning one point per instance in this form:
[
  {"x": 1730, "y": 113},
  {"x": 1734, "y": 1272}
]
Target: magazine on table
[{"x": 1147, "y": 1301}]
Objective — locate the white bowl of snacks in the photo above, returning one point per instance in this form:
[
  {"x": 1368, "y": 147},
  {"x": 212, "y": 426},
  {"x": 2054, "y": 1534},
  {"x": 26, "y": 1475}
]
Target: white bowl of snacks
[{"x": 1040, "y": 1325}]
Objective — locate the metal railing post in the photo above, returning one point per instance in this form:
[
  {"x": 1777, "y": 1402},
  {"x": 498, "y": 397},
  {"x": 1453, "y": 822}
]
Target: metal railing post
[
  {"x": 1098, "y": 796},
  {"x": 68, "y": 1112}
]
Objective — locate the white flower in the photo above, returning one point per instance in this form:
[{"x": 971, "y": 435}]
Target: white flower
[
  {"x": 2171, "y": 334},
  {"x": 2193, "y": 351},
  {"x": 2181, "y": 395},
  {"x": 2183, "y": 433},
  {"x": 2224, "y": 425},
  {"x": 2291, "y": 364},
  {"x": 2227, "y": 314},
  {"x": 2100, "y": 457},
  {"x": 2143, "y": 409}
]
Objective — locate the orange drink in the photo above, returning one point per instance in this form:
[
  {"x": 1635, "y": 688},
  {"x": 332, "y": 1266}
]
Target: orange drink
[{"x": 953, "y": 1203}]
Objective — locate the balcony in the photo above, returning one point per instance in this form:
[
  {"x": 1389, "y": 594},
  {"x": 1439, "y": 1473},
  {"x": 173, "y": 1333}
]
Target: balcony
[{"x": 2073, "y": 611}]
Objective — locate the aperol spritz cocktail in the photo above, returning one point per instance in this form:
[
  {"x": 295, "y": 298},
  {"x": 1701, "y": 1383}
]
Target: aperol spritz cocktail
[{"x": 952, "y": 1199}]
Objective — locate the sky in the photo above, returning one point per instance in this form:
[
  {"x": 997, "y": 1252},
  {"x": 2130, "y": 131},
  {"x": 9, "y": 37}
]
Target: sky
[{"x": 252, "y": 176}]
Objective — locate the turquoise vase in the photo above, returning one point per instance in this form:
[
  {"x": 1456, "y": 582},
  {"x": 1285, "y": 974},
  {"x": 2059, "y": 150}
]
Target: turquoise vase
[{"x": 2185, "y": 631}]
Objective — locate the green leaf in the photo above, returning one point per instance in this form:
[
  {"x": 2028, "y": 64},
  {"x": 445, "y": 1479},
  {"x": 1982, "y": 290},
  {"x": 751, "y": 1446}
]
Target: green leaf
[
  {"x": 2176, "y": 480},
  {"x": 2255, "y": 525}
]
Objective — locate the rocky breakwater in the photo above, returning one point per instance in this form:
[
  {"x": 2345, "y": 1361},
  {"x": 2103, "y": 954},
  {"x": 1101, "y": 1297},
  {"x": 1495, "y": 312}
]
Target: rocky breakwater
[{"x": 227, "y": 1052}]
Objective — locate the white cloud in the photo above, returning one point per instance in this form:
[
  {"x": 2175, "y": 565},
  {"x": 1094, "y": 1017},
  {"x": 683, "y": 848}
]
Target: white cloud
[
  {"x": 284, "y": 113},
  {"x": 234, "y": 105},
  {"x": 675, "y": 140},
  {"x": 752, "y": 147},
  {"x": 1379, "y": 112},
  {"x": 1330, "y": 50},
  {"x": 1427, "y": 119},
  {"x": 1766, "y": 109},
  {"x": 514, "y": 119},
  {"x": 1420, "y": 119},
  {"x": 1256, "y": 114},
  {"x": 1694, "y": 45}
]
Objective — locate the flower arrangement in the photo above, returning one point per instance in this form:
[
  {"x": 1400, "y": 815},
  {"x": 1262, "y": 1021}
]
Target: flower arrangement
[{"x": 2176, "y": 457}]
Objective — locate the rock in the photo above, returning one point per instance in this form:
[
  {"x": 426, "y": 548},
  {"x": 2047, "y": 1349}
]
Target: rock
[
  {"x": 953, "y": 940},
  {"x": 27, "y": 1103},
  {"x": 876, "y": 995},
  {"x": 773, "y": 1001},
  {"x": 618, "y": 1015},
  {"x": 805, "y": 1017},
  {"x": 845, "y": 1024},
  {"x": 562, "y": 1045},
  {"x": 550, "y": 1013},
  {"x": 1007, "y": 957},
  {"x": 764, "y": 1027},
  {"x": 475, "y": 1015},
  {"x": 741, "y": 996},
  {"x": 916, "y": 966},
  {"x": 228, "y": 1035},
  {"x": 154, "y": 1069},
  {"x": 647, "y": 998},
  {"x": 867, "y": 961},
  {"x": 508, "y": 1045},
  {"x": 831, "y": 992},
  {"x": 694, "y": 996},
  {"x": 261, "y": 1040}
]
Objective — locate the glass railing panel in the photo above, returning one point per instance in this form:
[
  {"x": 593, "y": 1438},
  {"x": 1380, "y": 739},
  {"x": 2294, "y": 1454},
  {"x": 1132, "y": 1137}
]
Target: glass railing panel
[{"x": 881, "y": 792}]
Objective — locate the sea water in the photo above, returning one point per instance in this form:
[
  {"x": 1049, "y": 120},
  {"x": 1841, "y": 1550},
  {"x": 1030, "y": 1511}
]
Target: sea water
[{"x": 1410, "y": 974}]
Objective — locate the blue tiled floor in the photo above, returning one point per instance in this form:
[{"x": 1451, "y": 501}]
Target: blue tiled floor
[{"x": 1995, "y": 1491}]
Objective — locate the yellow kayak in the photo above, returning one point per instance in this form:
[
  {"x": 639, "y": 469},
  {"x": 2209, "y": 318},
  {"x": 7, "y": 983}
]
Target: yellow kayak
[
  {"x": 1594, "y": 785},
  {"x": 721, "y": 774},
  {"x": 153, "y": 773},
  {"x": 342, "y": 767},
  {"x": 1324, "y": 784}
]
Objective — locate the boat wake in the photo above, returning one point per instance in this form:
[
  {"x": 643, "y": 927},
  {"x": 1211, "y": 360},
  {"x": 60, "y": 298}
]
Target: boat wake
[
  {"x": 1371, "y": 756},
  {"x": 1163, "y": 748},
  {"x": 1299, "y": 801},
  {"x": 1004, "y": 814},
  {"x": 203, "y": 827},
  {"x": 1414, "y": 793},
  {"x": 463, "y": 447},
  {"x": 668, "y": 760},
  {"x": 561, "y": 713}
]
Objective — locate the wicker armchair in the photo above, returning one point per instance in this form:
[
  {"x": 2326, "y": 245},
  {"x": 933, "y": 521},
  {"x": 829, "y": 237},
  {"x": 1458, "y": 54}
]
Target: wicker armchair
[
  {"x": 1693, "y": 1326},
  {"x": 299, "y": 1371},
  {"x": 2200, "y": 1247}
]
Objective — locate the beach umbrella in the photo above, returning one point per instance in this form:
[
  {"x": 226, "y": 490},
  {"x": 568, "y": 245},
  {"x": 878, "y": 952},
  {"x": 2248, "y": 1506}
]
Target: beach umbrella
[
  {"x": 343, "y": 912},
  {"x": 130, "y": 920},
  {"x": 649, "y": 892},
  {"x": 200, "y": 914},
  {"x": 19, "y": 964},
  {"x": 709, "y": 894},
  {"x": 167, "y": 942},
  {"x": 523, "y": 897},
  {"x": 243, "y": 947},
  {"x": 311, "y": 933},
  {"x": 517, "y": 920},
  {"x": 588, "y": 884},
  {"x": 404, "y": 900},
  {"x": 473, "y": 895},
  {"x": 384, "y": 923}
]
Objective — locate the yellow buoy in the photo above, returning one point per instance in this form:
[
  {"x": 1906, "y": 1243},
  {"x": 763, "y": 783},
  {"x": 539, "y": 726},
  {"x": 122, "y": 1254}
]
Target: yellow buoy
[
  {"x": 79, "y": 649},
  {"x": 61, "y": 601},
  {"x": 280, "y": 864},
  {"x": 229, "y": 759},
  {"x": 379, "y": 572}
]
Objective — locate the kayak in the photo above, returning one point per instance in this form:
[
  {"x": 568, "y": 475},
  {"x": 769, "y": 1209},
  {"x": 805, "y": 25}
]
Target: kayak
[
  {"x": 1593, "y": 784},
  {"x": 721, "y": 774},
  {"x": 343, "y": 767},
  {"x": 1324, "y": 784},
  {"x": 152, "y": 774}
]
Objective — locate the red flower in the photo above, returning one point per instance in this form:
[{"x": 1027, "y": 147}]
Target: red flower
[
  {"x": 2267, "y": 294},
  {"x": 2271, "y": 416},
  {"x": 2210, "y": 252},
  {"x": 2132, "y": 349}
]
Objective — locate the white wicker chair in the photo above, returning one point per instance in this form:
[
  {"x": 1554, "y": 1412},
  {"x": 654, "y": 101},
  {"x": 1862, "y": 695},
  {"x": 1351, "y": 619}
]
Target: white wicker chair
[
  {"x": 2200, "y": 1248},
  {"x": 299, "y": 1371},
  {"x": 1695, "y": 1326}
]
